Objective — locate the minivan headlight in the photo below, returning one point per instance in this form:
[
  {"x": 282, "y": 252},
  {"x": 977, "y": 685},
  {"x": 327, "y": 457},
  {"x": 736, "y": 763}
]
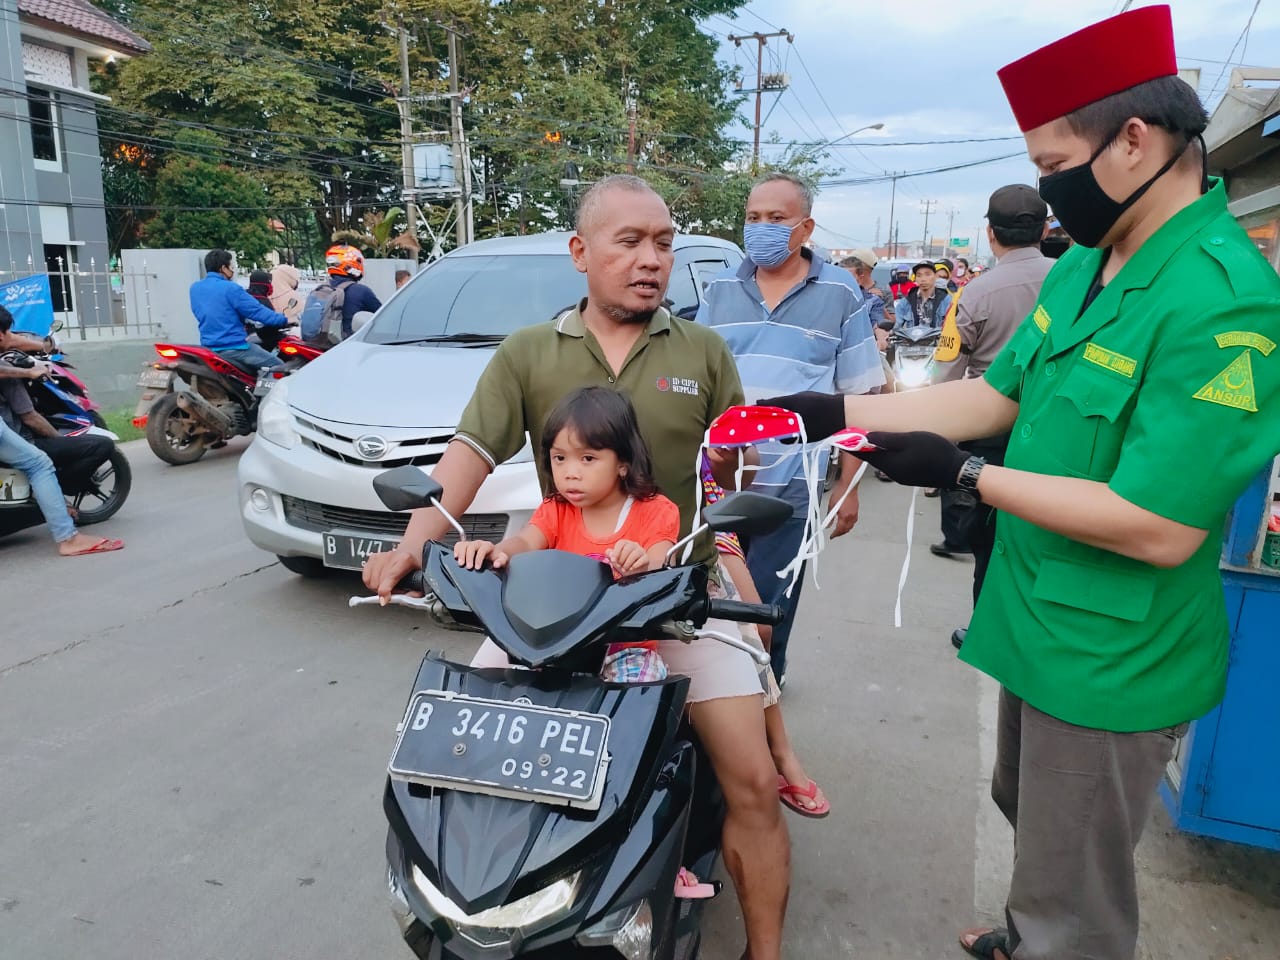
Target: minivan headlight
[{"x": 275, "y": 422}]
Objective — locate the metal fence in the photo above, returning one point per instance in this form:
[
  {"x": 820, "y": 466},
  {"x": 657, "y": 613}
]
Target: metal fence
[{"x": 97, "y": 303}]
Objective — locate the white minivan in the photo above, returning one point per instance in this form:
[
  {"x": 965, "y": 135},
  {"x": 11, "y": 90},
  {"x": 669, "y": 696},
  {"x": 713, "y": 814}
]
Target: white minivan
[{"x": 393, "y": 394}]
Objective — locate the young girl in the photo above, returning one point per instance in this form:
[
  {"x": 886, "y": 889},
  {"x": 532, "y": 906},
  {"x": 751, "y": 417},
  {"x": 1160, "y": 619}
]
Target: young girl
[{"x": 606, "y": 505}]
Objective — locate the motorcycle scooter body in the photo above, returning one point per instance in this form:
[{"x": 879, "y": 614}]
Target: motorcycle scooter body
[{"x": 478, "y": 872}]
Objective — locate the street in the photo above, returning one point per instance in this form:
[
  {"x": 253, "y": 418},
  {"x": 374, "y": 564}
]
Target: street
[{"x": 195, "y": 742}]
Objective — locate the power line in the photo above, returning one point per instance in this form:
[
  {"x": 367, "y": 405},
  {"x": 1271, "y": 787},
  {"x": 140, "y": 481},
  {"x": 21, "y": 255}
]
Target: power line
[{"x": 1242, "y": 38}]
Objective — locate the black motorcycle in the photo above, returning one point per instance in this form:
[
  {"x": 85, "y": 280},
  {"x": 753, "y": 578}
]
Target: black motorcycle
[{"x": 544, "y": 812}]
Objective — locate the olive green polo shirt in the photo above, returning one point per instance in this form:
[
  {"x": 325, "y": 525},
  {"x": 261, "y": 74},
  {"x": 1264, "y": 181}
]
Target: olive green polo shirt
[
  {"x": 679, "y": 376},
  {"x": 1167, "y": 389}
]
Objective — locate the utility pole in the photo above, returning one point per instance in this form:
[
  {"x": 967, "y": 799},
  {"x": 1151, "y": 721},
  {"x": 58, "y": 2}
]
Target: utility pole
[
  {"x": 951, "y": 222},
  {"x": 893, "y": 197},
  {"x": 779, "y": 80},
  {"x": 461, "y": 156},
  {"x": 877, "y": 243},
  {"x": 926, "y": 207},
  {"x": 406, "y": 138},
  {"x": 631, "y": 135}
]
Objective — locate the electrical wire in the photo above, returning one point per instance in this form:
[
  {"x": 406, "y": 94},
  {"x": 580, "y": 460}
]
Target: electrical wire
[{"x": 1244, "y": 34}]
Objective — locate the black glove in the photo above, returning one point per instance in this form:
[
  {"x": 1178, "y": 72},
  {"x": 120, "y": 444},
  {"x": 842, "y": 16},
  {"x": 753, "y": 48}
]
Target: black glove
[
  {"x": 822, "y": 413},
  {"x": 918, "y": 459}
]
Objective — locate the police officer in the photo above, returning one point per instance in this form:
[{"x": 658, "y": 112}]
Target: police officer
[
  {"x": 1136, "y": 423},
  {"x": 989, "y": 311}
]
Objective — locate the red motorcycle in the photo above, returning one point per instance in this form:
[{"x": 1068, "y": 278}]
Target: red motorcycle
[{"x": 194, "y": 399}]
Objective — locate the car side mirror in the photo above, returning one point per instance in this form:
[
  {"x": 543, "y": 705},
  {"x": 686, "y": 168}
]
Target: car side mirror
[
  {"x": 745, "y": 512},
  {"x": 407, "y": 488},
  {"x": 360, "y": 319}
]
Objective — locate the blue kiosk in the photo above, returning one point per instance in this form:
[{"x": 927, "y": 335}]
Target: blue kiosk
[{"x": 1224, "y": 781}]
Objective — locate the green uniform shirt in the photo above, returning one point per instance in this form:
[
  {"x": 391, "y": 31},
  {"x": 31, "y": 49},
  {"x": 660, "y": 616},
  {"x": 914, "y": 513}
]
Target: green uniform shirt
[
  {"x": 679, "y": 376},
  {"x": 1167, "y": 389}
]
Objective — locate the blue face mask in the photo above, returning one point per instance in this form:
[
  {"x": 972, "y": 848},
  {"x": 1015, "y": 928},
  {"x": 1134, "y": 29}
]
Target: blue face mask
[{"x": 767, "y": 244}]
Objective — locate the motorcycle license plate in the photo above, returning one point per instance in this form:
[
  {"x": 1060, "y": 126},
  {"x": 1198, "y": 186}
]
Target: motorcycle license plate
[
  {"x": 349, "y": 551},
  {"x": 521, "y": 751},
  {"x": 153, "y": 377},
  {"x": 916, "y": 351}
]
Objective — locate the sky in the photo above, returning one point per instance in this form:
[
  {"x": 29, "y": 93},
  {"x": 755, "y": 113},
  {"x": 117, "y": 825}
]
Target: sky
[{"x": 854, "y": 63}]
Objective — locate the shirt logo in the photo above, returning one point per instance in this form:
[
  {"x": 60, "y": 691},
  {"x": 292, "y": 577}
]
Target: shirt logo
[
  {"x": 1110, "y": 360},
  {"x": 1233, "y": 387},
  {"x": 685, "y": 385},
  {"x": 1042, "y": 319},
  {"x": 1245, "y": 338}
]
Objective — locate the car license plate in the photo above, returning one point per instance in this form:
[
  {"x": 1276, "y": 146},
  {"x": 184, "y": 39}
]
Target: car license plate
[
  {"x": 521, "y": 751},
  {"x": 349, "y": 551},
  {"x": 155, "y": 377}
]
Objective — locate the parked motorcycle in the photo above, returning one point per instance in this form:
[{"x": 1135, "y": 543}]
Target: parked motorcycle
[
  {"x": 910, "y": 354},
  {"x": 107, "y": 488},
  {"x": 545, "y": 812},
  {"x": 194, "y": 398}
]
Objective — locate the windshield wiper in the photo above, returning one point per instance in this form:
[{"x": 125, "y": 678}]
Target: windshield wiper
[{"x": 476, "y": 338}]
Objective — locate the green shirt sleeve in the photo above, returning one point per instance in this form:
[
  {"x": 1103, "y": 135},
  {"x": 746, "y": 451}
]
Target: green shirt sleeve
[
  {"x": 1206, "y": 418},
  {"x": 493, "y": 423}
]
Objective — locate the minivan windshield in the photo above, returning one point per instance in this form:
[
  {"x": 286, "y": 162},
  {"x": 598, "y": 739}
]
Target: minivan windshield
[{"x": 477, "y": 299}]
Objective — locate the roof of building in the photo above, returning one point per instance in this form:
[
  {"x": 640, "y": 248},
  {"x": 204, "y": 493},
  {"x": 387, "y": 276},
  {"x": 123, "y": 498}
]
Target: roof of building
[{"x": 84, "y": 18}]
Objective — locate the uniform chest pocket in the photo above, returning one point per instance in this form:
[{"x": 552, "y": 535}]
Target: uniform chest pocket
[{"x": 1090, "y": 414}]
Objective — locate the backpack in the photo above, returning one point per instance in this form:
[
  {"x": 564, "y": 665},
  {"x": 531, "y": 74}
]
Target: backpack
[{"x": 321, "y": 318}]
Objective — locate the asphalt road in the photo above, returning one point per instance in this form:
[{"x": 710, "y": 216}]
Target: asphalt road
[{"x": 193, "y": 745}]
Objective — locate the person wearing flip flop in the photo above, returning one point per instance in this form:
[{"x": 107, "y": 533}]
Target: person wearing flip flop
[
  {"x": 1143, "y": 396},
  {"x": 23, "y": 455}
]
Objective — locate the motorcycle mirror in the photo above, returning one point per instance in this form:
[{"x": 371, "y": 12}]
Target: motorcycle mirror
[
  {"x": 57, "y": 325},
  {"x": 406, "y": 488},
  {"x": 747, "y": 512}
]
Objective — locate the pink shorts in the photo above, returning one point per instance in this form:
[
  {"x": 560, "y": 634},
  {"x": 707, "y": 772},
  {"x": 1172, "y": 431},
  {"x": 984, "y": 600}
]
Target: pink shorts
[{"x": 715, "y": 671}]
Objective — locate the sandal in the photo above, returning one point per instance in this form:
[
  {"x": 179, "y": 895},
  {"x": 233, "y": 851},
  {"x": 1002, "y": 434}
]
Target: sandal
[
  {"x": 790, "y": 795},
  {"x": 987, "y": 943},
  {"x": 105, "y": 545},
  {"x": 689, "y": 887}
]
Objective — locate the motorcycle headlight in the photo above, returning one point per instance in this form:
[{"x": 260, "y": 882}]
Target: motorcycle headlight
[
  {"x": 275, "y": 422},
  {"x": 914, "y": 376},
  {"x": 537, "y": 907},
  {"x": 629, "y": 931}
]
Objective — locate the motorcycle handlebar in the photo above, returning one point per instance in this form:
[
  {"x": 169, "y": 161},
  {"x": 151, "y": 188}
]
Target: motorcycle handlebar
[
  {"x": 417, "y": 580},
  {"x": 741, "y": 612}
]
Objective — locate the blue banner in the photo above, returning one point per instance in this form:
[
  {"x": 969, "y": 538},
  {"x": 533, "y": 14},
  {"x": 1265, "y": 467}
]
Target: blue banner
[{"x": 30, "y": 302}]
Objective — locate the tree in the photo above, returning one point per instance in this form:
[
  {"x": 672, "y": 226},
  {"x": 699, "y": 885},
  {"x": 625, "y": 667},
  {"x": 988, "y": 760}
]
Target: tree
[{"x": 204, "y": 204}]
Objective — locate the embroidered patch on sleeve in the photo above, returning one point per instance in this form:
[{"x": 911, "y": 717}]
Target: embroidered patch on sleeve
[
  {"x": 1116, "y": 362},
  {"x": 1245, "y": 338},
  {"x": 1233, "y": 387},
  {"x": 1042, "y": 319}
]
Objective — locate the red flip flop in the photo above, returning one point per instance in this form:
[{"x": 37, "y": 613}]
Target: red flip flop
[
  {"x": 789, "y": 794},
  {"x": 105, "y": 545}
]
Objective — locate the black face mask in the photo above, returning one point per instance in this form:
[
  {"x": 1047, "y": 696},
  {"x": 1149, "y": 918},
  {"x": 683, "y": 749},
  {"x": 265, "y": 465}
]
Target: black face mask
[{"x": 1083, "y": 207}]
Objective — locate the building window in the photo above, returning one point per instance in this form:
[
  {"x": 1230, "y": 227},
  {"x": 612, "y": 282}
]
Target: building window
[
  {"x": 44, "y": 127},
  {"x": 61, "y": 267}
]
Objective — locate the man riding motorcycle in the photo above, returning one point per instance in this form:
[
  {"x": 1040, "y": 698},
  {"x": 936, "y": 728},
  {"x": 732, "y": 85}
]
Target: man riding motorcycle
[
  {"x": 346, "y": 270},
  {"x": 221, "y": 307}
]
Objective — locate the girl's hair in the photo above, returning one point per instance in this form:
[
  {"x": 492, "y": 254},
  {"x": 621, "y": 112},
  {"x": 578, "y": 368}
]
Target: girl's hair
[{"x": 603, "y": 419}]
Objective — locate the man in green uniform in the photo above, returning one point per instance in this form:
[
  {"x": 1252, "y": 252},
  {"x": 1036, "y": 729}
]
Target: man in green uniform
[{"x": 1137, "y": 418}]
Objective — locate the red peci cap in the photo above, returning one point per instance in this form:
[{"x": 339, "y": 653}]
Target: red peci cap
[{"x": 1083, "y": 68}]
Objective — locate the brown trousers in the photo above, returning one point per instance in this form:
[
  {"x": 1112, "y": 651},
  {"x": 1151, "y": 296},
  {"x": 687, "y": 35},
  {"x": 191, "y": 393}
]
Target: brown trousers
[{"x": 1078, "y": 800}]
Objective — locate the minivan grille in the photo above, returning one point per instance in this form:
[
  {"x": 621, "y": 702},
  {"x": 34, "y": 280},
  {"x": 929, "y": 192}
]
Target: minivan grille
[{"x": 320, "y": 517}]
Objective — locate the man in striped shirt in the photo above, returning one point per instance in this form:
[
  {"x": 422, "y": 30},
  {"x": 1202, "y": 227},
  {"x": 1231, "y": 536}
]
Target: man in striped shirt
[{"x": 793, "y": 323}]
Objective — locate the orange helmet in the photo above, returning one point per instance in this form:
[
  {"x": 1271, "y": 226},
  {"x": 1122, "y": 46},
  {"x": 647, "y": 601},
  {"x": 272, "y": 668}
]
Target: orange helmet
[{"x": 344, "y": 260}]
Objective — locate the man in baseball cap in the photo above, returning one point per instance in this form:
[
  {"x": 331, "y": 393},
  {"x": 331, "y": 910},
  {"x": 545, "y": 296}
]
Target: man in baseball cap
[{"x": 1102, "y": 615}]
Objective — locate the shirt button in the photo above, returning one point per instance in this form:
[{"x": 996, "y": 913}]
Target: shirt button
[
  {"x": 611, "y": 379},
  {"x": 1050, "y": 369},
  {"x": 1000, "y": 546},
  {"x": 1217, "y": 241},
  {"x": 1026, "y": 431}
]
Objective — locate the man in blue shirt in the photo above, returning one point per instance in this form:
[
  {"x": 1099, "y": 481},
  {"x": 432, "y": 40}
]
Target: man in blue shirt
[
  {"x": 222, "y": 306},
  {"x": 346, "y": 268},
  {"x": 790, "y": 318}
]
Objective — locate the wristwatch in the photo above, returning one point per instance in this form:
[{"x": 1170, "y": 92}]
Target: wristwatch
[{"x": 968, "y": 478}]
